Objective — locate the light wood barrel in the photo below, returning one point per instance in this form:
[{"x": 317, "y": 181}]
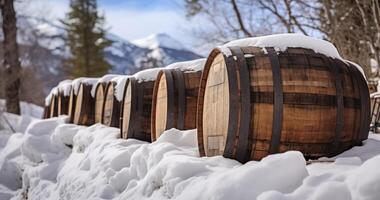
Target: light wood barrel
[
  {"x": 54, "y": 106},
  {"x": 136, "y": 110},
  {"x": 174, "y": 103},
  {"x": 84, "y": 107},
  {"x": 254, "y": 102},
  {"x": 63, "y": 104},
  {"x": 99, "y": 102},
  {"x": 72, "y": 103},
  {"x": 111, "y": 113}
]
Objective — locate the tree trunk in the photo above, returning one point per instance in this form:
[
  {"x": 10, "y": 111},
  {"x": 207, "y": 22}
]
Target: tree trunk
[{"x": 11, "y": 57}]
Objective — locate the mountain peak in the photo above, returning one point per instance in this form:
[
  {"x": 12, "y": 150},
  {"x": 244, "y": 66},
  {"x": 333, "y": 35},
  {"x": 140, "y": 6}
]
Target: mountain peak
[{"x": 159, "y": 40}]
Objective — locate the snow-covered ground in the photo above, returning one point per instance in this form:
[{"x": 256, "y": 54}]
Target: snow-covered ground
[
  {"x": 27, "y": 109},
  {"x": 56, "y": 160}
]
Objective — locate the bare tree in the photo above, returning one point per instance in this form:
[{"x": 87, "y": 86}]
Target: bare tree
[
  {"x": 353, "y": 26},
  {"x": 12, "y": 66},
  {"x": 232, "y": 19}
]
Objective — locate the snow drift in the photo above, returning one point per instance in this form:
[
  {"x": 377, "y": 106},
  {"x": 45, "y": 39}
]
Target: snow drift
[{"x": 55, "y": 160}]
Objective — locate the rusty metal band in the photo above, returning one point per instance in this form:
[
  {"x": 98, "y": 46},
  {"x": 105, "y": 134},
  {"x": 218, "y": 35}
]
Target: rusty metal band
[
  {"x": 134, "y": 108},
  {"x": 377, "y": 111},
  {"x": 365, "y": 113},
  {"x": 122, "y": 111},
  {"x": 233, "y": 118},
  {"x": 72, "y": 100},
  {"x": 305, "y": 99},
  {"x": 181, "y": 100},
  {"x": 277, "y": 100},
  {"x": 335, "y": 66},
  {"x": 243, "y": 150},
  {"x": 170, "y": 99},
  {"x": 115, "y": 109}
]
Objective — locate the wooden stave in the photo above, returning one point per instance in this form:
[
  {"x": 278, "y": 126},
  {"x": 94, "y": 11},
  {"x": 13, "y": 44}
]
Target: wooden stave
[
  {"x": 54, "y": 106},
  {"x": 84, "y": 111},
  {"x": 63, "y": 104},
  {"x": 100, "y": 86},
  {"x": 115, "y": 109},
  {"x": 179, "y": 108},
  {"x": 46, "y": 113},
  {"x": 71, "y": 107},
  {"x": 141, "y": 100},
  {"x": 229, "y": 152}
]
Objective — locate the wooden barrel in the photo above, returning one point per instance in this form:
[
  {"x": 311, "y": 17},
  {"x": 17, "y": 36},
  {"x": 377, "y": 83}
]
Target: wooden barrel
[
  {"x": 375, "y": 112},
  {"x": 72, "y": 101},
  {"x": 372, "y": 85},
  {"x": 84, "y": 106},
  {"x": 254, "y": 102},
  {"x": 99, "y": 102},
  {"x": 111, "y": 114},
  {"x": 63, "y": 104},
  {"x": 174, "y": 103},
  {"x": 54, "y": 106},
  {"x": 46, "y": 113},
  {"x": 136, "y": 110}
]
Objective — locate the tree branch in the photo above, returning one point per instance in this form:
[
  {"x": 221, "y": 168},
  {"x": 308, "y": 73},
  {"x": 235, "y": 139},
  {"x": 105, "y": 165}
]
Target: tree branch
[{"x": 240, "y": 21}]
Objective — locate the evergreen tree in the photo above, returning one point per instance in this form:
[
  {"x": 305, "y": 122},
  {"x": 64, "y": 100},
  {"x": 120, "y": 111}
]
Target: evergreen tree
[{"x": 86, "y": 40}]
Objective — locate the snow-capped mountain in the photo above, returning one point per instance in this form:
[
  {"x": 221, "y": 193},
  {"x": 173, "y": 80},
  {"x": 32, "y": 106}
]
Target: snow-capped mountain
[
  {"x": 164, "y": 49},
  {"x": 42, "y": 46},
  {"x": 159, "y": 40}
]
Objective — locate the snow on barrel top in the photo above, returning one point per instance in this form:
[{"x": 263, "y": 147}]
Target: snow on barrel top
[
  {"x": 151, "y": 74},
  {"x": 282, "y": 41},
  {"x": 87, "y": 81},
  {"x": 193, "y": 65},
  {"x": 120, "y": 85},
  {"x": 104, "y": 79},
  {"x": 63, "y": 86}
]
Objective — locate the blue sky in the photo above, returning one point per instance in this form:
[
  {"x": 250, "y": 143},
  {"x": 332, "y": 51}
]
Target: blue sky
[
  {"x": 133, "y": 19},
  {"x": 143, "y": 4}
]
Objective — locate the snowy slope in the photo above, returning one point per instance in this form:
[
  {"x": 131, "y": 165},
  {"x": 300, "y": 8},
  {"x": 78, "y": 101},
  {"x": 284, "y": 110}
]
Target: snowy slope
[
  {"x": 166, "y": 49},
  {"x": 159, "y": 40},
  {"x": 55, "y": 160}
]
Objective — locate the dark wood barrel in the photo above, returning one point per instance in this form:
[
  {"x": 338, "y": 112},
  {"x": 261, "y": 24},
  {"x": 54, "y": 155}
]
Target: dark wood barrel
[
  {"x": 99, "y": 102},
  {"x": 72, "y": 102},
  {"x": 174, "y": 103},
  {"x": 54, "y": 106},
  {"x": 84, "y": 106},
  {"x": 254, "y": 102},
  {"x": 63, "y": 103},
  {"x": 136, "y": 109},
  {"x": 46, "y": 113},
  {"x": 372, "y": 85},
  {"x": 375, "y": 112},
  {"x": 111, "y": 112}
]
